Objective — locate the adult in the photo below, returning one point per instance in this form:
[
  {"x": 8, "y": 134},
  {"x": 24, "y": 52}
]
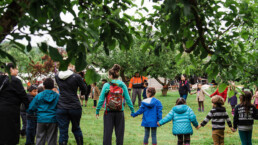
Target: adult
[
  {"x": 12, "y": 94},
  {"x": 223, "y": 94},
  {"x": 184, "y": 87},
  {"x": 114, "y": 119},
  {"x": 86, "y": 96},
  {"x": 69, "y": 107},
  {"x": 136, "y": 83}
]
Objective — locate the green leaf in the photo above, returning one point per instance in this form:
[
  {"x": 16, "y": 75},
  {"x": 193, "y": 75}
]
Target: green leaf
[
  {"x": 222, "y": 87},
  {"x": 43, "y": 47},
  {"x": 54, "y": 54},
  {"x": 80, "y": 62},
  {"x": 1, "y": 29},
  {"x": 92, "y": 76},
  {"x": 142, "y": 2},
  {"x": 231, "y": 93},
  {"x": 189, "y": 43},
  {"x": 29, "y": 47},
  {"x": 5, "y": 54}
]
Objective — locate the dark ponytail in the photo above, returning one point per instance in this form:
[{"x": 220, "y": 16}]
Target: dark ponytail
[
  {"x": 246, "y": 101},
  {"x": 114, "y": 71}
]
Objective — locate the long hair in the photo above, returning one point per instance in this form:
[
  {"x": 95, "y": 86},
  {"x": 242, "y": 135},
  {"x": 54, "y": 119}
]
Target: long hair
[{"x": 246, "y": 101}]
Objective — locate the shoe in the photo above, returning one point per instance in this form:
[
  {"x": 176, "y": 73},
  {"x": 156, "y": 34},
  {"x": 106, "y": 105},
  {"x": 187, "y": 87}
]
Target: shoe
[
  {"x": 199, "y": 109},
  {"x": 93, "y": 107},
  {"x": 202, "y": 110},
  {"x": 85, "y": 105}
]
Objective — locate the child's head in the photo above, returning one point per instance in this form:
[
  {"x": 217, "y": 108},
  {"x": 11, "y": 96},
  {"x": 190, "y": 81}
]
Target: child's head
[
  {"x": 183, "y": 77},
  {"x": 180, "y": 101},
  {"x": 145, "y": 84},
  {"x": 48, "y": 84},
  {"x": 33, "y": 90},
  {"x": 40, "y": 89},
  {"x": 217, "y": 101},
  {"x": 94, "y": 84},
  {"x": 246, "y": 100},
  {"x": 151, "y": 92},
  {"x": 103, "y": 81},
  {"x": 199, "y": 86}
]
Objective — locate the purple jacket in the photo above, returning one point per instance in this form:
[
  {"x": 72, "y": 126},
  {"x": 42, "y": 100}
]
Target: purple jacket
[{"x": 232, "y": 100}]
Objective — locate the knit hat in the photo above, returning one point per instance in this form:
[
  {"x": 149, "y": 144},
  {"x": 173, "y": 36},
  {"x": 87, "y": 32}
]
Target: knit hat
[{"x": 217, "y": 100}]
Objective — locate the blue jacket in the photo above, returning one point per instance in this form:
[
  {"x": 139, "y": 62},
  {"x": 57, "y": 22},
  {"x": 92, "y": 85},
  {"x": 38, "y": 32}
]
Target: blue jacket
[
  {"x": 45, "y": 104},
  {"x": 182, "y": 116},
  {"x": 152, "y": 112}
]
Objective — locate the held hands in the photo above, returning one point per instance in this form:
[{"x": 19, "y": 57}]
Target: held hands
[
  {"x": 133, "y": 115},
  {"x": 158, "y": 124},
  {"x": 198, "y": 127},
  {"x": 233, "y": 130}
]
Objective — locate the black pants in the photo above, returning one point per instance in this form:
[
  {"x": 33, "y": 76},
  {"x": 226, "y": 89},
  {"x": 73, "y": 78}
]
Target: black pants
[
  {"x": 183, "y": 139},
  {"x": 114, "y": 120},
  {"x": 24, "y": 123},
  {"x": 95, "y": 103}
]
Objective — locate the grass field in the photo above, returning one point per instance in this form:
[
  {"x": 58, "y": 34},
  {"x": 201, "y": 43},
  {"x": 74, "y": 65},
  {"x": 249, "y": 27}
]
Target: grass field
[{"x": 92, "y": 128}]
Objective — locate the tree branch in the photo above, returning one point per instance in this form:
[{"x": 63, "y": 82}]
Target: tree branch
[
  {"x": 10, "y": 18},
  {"x": 192, "y": 47},
  {"x": 158, "y": 80}
]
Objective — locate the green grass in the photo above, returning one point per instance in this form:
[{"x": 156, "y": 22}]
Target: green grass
[{"x": 92, "y": 128}]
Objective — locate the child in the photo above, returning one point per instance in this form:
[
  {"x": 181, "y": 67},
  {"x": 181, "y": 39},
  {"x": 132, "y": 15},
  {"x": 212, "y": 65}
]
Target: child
[
  {"x": 45, "y": 106},
  {"x": 218, "y": 115},
  {"x": 200, "y": 97},
  {"x": 95, "y": 94},
  {"x": 184, "y": 87},
  {"x": 31, "y": 118},
  {"x": 152, "y": 113},
  {"x": 182, "y": 117},
  {"x": 233, "y": 102},
  {"x": 145, "y": 85},
  {"x": 255, "y": 97},
  {"x": 244, "y": 116}
]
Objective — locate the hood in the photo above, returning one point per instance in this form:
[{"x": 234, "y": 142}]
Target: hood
[
  {"x": 65, "y": 74},
  {"x": 50, "y": 96},
  {"x": 149, "y": 102},
  {"x": 180, "y": 109}
]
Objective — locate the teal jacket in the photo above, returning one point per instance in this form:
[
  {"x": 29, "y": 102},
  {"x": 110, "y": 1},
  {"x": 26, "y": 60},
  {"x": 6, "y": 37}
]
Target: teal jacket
[
  {"x": 45, "y": 105},
  {"x": 182, "y": 117},
  {"x": 106, "y": 89}
]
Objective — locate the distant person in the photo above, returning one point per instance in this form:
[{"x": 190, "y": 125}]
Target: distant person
[
  {"x": 31, "y": 118},
  {"x": 45, "y": 104},
  {"x": 69, "y": 107},
  {"x": 182, "y": 117},
  {"x": 223, "y": 94},
  {"x": 233, "y": 102},
  {"x": 255, "y": 97},
  {"x": 136, "y": 83},
  {"x": 103, "y": 81},
  {"x": 184, "y": 88},
  {"x": 144, "y": 95},
  {"x": 218, "y": 115},
  {"x": 86, "y": 96},
  {"x": 41, "y": 89},
  {"x": 95, "y": 93},
  {"x": 12, "y": 94},
  {"x": 244, "y": 116},
  {"x": 151, "y": 108},
  {"x": 114, "y": 111},
  {"x": 200, "y": 97}
]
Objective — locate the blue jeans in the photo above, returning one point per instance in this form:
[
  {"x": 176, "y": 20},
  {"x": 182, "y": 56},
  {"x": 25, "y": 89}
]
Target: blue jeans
[
  {"x": 184, "y": 96},
  {"x": 31, "y": 132},
  {"x": 64, "y": 117},
  {"x": 153, "y": 135},
  {"x": 246, "y": 137}
]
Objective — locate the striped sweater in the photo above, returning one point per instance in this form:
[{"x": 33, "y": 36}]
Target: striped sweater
[{"x": 218, "y": 116}]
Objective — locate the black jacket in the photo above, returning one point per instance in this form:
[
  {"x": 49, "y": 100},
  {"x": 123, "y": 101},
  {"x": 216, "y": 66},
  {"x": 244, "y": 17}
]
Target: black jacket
[
  {"x": 184, "y": 88},
  {"x": 242, "y": 119},
  {"x": 68, "y": 83},
  {"x": 11, "y": 97}
]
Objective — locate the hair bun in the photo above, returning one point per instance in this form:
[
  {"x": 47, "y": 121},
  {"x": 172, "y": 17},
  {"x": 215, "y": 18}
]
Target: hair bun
[{"x": 116, "y": 67}]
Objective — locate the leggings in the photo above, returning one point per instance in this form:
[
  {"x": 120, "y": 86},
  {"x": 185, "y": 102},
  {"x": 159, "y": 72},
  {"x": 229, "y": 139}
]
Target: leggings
[
  {"x": 183, "y": 139},
  {"x": 201, "y": 105}
]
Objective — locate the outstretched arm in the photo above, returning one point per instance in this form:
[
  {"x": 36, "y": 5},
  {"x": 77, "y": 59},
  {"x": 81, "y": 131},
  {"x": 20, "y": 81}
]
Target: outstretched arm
[
  {"x": 168, "y": 118},
  {"x": 139, "y": 112}
]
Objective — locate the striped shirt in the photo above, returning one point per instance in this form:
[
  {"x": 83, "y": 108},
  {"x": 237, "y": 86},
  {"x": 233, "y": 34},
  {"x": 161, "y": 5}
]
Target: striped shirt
[{"x": 218, "y": 116}]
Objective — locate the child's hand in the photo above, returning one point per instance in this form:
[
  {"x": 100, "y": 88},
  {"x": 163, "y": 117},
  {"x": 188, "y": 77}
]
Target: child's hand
[
  {"x": 158, "y": 124},
  {"x": 198, "y": 127},
  {"x": 233, "y": 130},
  {"x": 132, "y": 114}
]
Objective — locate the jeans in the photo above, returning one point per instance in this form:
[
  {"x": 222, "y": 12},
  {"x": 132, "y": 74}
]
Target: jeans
[
  {"x": 246, "y": 137},
  {"x": 184, "y": 96},
  {"x": 153, "y": 135},
  {"x": 64, "y": 117},
  {"x": 31, "y": 131}
]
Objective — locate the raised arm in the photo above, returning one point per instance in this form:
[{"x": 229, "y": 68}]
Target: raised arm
[{"x": 205, "y": 93}]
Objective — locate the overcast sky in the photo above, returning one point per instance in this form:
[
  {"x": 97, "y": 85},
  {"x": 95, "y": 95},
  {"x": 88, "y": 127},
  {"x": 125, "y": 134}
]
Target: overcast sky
[{"x": 69, "y": 18}]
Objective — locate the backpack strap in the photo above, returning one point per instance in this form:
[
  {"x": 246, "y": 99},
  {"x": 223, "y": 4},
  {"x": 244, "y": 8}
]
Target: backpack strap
[{"x": 1, "y": 87}]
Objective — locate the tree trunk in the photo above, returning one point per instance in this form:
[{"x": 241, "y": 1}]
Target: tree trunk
[
  {"x": 10, "y": 18},
  {"x": 164, "y": 92},
  {"x": 122, "y": 74}
]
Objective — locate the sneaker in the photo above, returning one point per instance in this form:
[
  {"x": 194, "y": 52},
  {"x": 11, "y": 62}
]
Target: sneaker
[
  {"x": 85, "y": 105},
  {"x": 202, "y": 110},
  {"x": 199, "y": 109}
]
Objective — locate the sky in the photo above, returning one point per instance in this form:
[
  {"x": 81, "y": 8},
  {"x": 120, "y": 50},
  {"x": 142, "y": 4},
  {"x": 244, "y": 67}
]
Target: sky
[{"x": 69, "y": 18}]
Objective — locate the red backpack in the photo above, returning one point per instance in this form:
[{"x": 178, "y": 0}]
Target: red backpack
[{"x": 114, "y": 100}]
